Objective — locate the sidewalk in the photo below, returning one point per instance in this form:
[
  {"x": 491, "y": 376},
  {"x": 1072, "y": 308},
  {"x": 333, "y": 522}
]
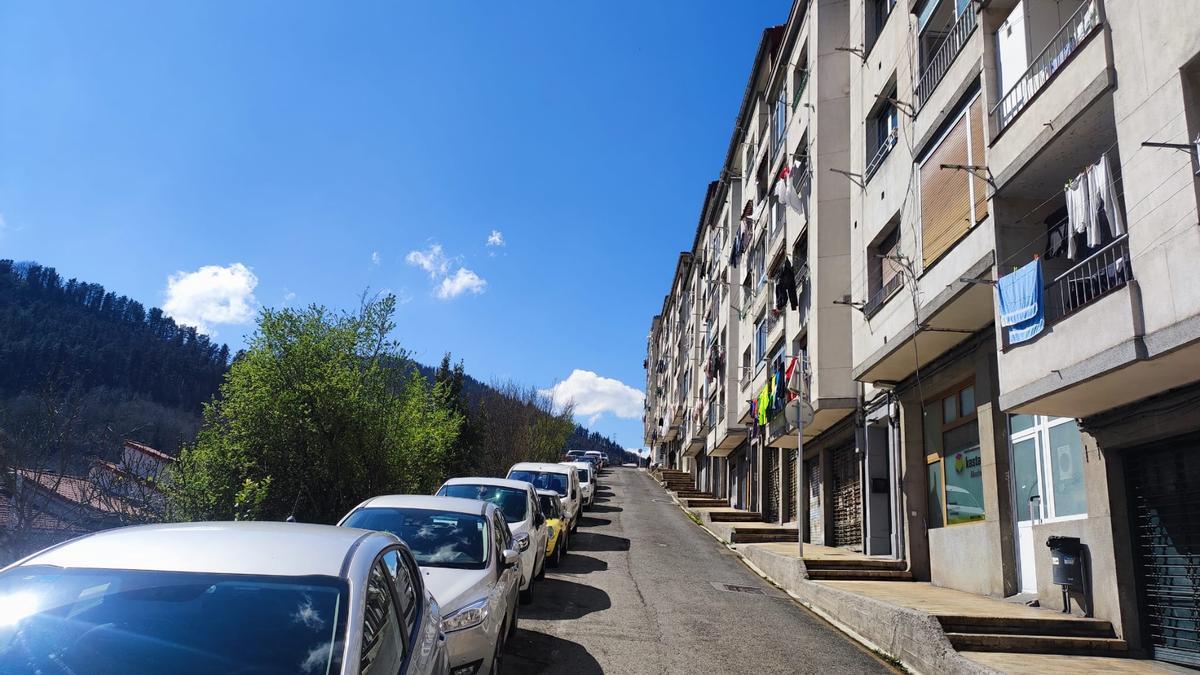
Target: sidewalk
[{"x": 910, "y": 620}]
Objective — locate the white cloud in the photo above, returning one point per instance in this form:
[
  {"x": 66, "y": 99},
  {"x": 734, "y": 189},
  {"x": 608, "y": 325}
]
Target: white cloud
[
  {"x": 211, "y": 295},
  {"x": 594, "y": 395},
  {"x": 462, "y": 281},
  {"x": 375, "y": 258},
  {"x": 433, "y": 261},
  {"x": 288, "y": 296},
  {"x": 495, "y": 238}
]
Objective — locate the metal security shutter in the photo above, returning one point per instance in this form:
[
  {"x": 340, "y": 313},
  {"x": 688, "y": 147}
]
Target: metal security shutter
[
  {"x": 771, "y": 499},
  {"x": 1164, "y": 490},
  {"x": 789, "y": 477},
  {"x": 847, "y": 500},
  {"x": 816, "y": 531}
]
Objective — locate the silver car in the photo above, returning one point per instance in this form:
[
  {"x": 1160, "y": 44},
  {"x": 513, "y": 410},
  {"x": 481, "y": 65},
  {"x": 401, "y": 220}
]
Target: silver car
[
  {"x": 467, "y": 555},
  {"x": 522, "y": 511},
  {"x": 221, "y": 598}
]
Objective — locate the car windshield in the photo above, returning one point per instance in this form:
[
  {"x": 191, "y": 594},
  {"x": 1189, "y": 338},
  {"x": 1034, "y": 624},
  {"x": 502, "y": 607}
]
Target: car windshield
[
  {"x": 549, "y": 505},
  {"x": 543, "y": 480},
  {"x": 88, "y": 621},
  {"x": 512, "y": 501},
  {"x": 437, "y": 538},
  {"x": 585, "y": 475}
]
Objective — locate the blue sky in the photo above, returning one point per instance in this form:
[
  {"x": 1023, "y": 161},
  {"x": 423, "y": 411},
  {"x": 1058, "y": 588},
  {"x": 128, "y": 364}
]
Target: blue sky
[{"x": 219, "y": 157}]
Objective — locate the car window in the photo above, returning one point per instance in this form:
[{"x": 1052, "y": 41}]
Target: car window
[
  {"x": 506, "y": 538},
  {"x": 549, "y": 506},
  {"x": 512, "y": 501},
  {"x": 382, "y": 641},
  {"x": 59, "y": 621},
  {"x": 543, "y": 480},
  {"x": 406, "y": 590},
  {"x": 436, "y": 538}
]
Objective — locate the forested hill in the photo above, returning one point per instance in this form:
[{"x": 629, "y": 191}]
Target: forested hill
[{"x": 67, "y": 333}]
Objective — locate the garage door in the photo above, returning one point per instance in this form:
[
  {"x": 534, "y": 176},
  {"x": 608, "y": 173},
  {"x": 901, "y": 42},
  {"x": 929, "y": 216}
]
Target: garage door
[
  {"x": 789, "y": 485},
  {"x": 1164, "y": 489},
  {"x": 816, "y": 531},
  {"x": 771, "y": 499}
]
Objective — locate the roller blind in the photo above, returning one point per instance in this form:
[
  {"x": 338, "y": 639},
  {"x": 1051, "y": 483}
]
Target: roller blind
[{"x": 952, "y": 200}]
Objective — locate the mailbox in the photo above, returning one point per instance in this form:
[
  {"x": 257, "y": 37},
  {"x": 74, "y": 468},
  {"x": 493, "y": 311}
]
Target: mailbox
[{"x": 1066, "y": 562}]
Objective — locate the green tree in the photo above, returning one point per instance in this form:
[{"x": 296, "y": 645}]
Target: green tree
[{"x": 311, "y": 420}]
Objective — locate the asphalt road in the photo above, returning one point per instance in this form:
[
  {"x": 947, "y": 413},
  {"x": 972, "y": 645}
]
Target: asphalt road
[{"x": 637, "y": 595}]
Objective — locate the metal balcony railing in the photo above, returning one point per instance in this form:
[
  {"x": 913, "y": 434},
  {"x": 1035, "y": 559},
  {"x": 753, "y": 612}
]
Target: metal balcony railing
[
  {"x": 885, "y": 148},
  {"x": 1053, "y": 57},
  {"x": 945, "y": 54},
  {"x": 881, "y": 294},
  {"x": 1094, "y": 277},
  {"x": 800, "y": 86}
]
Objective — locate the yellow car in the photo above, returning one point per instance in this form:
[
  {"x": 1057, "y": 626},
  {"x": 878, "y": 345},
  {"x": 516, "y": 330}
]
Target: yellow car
[{"x": 556, "y": 534}]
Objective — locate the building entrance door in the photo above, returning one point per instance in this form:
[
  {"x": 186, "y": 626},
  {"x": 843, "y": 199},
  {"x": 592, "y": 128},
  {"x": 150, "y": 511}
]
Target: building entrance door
[{"x": 771, "y": 499}]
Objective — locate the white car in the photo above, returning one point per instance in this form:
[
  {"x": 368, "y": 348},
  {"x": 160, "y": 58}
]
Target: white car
[
  {"x": 518, "y": 503},
  {"x": 557, "y": 477},
  {"x": 587, "y": 482},
  {"x": 599, "y": 456},
  {"x": 466, "y": 554},
  {"x": 221, "y": 598}
]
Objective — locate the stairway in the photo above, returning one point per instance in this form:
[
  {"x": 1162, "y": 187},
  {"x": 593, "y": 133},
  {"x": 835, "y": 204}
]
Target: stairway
[
  {"x": 735, "y": 517},
  {"x": 708, "y": 502},
  {"x": 1077, "y": 637},
  {"x": 760, "y": 534},
  {"x": 825, "y": 569}
]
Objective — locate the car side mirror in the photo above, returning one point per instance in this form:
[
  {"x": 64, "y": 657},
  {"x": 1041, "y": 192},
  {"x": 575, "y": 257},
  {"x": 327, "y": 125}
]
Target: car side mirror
[
  {"x": 522, "y": 541},
  {"x": 511, "y": 557},
  {"x": 539, "y": 520}
]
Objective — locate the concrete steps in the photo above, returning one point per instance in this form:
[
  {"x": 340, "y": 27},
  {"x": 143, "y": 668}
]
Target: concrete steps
[
  {"x": 749, "y": 534},
  {"x": 735, "y": 517},
  {"x": 1077, "y": 637},
  {"x": 704, "y": 503},
  {"x": 859, "y": 575},
  {"x": 693, "y": 494}
]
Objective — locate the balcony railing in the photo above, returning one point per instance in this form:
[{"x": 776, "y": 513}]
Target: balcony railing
[
  {"x": 881, "y": 295},
  {"x": 1093, "y": 278},
  {"x": 885, "y": 148},
  {"x": 1056, "y": 54},
  {"x": 945, "y": 54},
  {"x": 800, "y": 86}
]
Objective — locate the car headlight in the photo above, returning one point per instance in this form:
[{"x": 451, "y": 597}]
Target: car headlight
[{"x": 467, "y": 616}]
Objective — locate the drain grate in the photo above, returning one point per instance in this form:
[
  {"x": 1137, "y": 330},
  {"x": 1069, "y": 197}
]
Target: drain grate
[{"x": 734, "y": 588}]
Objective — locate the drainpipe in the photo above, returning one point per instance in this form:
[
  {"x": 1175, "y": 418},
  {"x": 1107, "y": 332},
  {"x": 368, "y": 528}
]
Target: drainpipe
[{"x": 897, "y": 456}]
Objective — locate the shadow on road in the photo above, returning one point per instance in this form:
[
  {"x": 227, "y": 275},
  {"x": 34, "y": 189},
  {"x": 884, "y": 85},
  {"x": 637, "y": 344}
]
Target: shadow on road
[
  {"x": 532, "y": 652},
  {"x": 588, "y": 521},
  {"x": 577, "y": 563},
  {"x": 601, "y": 508},
  {"x": 561, "y": 599},
  {"x": 594, "y": 541}
]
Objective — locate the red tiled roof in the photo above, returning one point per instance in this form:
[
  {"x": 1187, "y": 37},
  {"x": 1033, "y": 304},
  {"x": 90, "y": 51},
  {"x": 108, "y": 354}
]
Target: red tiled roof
[
  {"x": 78, "y": 490},
  {"x": 41, "y": 521},
  {"x": 147, "y": 450}
]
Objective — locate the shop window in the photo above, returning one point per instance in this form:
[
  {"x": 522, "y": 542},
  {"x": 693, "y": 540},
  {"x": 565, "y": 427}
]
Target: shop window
[
  {"x": 955, "y": 465},
  {"x": 1047, "y": 467}
]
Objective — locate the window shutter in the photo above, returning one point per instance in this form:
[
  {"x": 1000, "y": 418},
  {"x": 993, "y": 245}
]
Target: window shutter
[
  {"x": 945, "y": 196},
  {"x": 978, "y": 159}
]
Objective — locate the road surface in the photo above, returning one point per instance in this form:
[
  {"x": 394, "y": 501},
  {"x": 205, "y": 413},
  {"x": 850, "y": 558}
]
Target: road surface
[{"x": 637, "y": 594}]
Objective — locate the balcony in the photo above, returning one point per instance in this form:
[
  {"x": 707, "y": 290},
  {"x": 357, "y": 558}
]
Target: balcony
[
  {"x": 1098, "y": 275},
  {"x": 1053, "y": 58},
  {"x": 881, "y": 295},
  {"x": 881, "y": 153},
  {"x": 944, "y": 55}
]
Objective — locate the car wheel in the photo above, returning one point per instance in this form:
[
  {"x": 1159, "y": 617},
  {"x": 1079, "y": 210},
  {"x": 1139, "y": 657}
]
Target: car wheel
[
  {"x": 526, "y": 594},
  {"x": 541, "y": 573},
  {"x": 557, "y": 559},
  {"x": 498, "y": 657},
  {"x": 512, "y": 624}
]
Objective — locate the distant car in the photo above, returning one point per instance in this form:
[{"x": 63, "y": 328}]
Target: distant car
[
  {"x": 556, "y": 527},
  {"x": 573, "y": 455},
  {"x": 466, "y": 554},
  {"x": 221, "y": 598},
  {"x": 557, "y": 477},
  {"x": 587, "y": 481},
  {"x": 519, "y": 503},
  {"x": 607, "y": 460},
  {"x": 599, "y": 456}
]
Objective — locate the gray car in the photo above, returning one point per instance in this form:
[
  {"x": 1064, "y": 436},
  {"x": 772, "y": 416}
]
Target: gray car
[
  {"x": 470, "y": 563},
  {"x": 221, "y": 598}
]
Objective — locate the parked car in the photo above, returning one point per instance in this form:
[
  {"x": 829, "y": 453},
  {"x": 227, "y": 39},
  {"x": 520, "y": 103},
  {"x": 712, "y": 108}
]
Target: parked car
[
  {"x": 557, "y": 477},
  {"x": 607, "y": 460},
  {"x": 240, "y": 597},
  {"x": 599, "y": 457},
  {"x": 587, "y": 482},
  {"x": 467, "y": 555},
  {"x": 573, "y": 455},
  {"x": 519, "y": 503},
  {"x": 556, "y": 526}
]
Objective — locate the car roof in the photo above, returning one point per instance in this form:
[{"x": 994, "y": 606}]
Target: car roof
[
  {"x": 260, "y": 548},
  {"x": 451, "y": 504},
  {"x": 544, "y": 467},
  {"x": 593, "y": 452},
  {"x": 497, "y": 482}
]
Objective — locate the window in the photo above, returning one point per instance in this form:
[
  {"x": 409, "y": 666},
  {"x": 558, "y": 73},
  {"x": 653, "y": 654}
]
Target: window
[
  {"x": 760, "y": 339},
  {"x": 953, "y": 200},
  {"x": 1047, "y": 458},
  {"x": 382, "y": 641},
  {"x": 799, "y": 80},
  {"x": 935, "y": 19},
  {"x": 758, "y": 264},
  {"x": 882, "y": 129},
  {"x": 877, "y": 16},
  {"x": 512, "y": 502},
  {"x": 406, "y": 591},
  {"x": 884, "y": 268},
  {"x": 779, "y": 119},
  {"x": 953, "y": 460}
]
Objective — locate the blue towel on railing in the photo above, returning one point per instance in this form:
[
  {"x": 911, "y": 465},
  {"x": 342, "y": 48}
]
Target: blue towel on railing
[{"x": 1022, "y": 309}]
